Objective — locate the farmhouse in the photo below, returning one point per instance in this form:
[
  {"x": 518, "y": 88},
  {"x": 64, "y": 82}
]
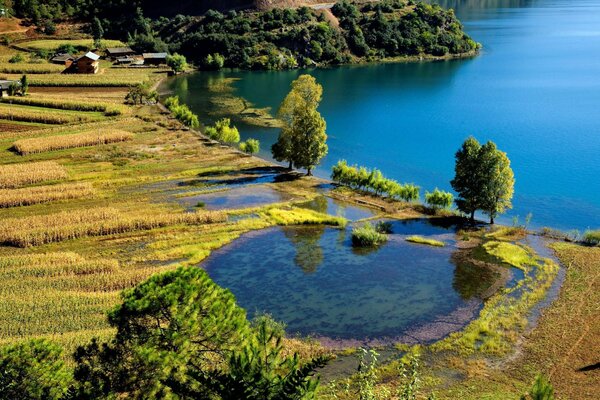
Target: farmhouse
[
  {"x": 5, "y": 85},
  {"x": 86, "y": 64},
  {"x": 155, "y": 58},
  {"x": 62, "y": 58},
  {"x": 115, "y": 52}
]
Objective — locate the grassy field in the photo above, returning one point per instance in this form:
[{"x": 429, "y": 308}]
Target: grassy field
[{"x": 52, "y": 45}]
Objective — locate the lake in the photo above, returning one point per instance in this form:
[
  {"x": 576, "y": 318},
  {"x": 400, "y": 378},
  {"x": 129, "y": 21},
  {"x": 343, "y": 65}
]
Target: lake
[{"x": 534, "y": 90}]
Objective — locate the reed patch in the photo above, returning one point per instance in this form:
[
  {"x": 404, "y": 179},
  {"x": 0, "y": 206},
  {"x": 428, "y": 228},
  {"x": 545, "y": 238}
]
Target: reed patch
[
  {"x": 85, "y": 139},
  {"x": 17, "y": 175}
]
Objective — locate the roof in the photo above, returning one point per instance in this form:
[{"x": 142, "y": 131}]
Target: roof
[
  {"x": 63, "y": 57},
  {"x": 90, "y": 55},
  {"x": 154, "y": 55},
  {"x": 4, "y": 84},
  {"x": 116, "y": 50}
]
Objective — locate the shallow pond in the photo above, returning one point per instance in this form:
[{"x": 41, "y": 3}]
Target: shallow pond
[
  {"x": 314, "y": 281},
  {"x": 239, "y": 197}
]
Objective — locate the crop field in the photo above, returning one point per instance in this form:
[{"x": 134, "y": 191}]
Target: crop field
[
  {"x": 51, "y": 143},
  {"x": 42, "y": 229},
  {"x": 59, "y": 104},
  {"x": 14, "y": 112},
  {"x": 44, "y": 194},
  {"x": 31, "y": 68},
  {"x": 17, "y": 175},
  {"x": 56, "y": 43},
  {"x": 49, "y": 130}
]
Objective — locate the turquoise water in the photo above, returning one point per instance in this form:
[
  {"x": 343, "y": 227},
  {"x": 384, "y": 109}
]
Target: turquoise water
[
  {"x": 313, "y": 280},
  {"x": 534, "y": 90}
]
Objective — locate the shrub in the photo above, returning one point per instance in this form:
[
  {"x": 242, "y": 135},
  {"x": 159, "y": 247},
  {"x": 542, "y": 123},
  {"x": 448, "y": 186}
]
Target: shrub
[
  {"x": 17, "y": 58},
  {"x": 223, "y": 131},
  {"x": 250, "y": 146},
  {"x": 383, "y": 227},
  {"x": 592, "y": 237},
  {"x": 366, "y": 235},
  {"x": 182, "y": 112},
  {"x": 177, "y": 62}
]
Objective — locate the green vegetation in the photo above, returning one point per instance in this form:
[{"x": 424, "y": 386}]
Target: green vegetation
[
  {"x": 292, "y": 38},
  {"x": 33, "y": 370},
  {"x": 223, "y": 132},
  {"x": 367, "y": 235},
  {"x": 177, "y": 62},
  {"x": 373, "y": 180},
  {"x": 250, "y": 146},
  {"x": 182, "y": 112},
  {"x": 302, "y": 141},
  {"x": 439, "y": 200},
  {"x": 483, "y": 179},
  {"x": 541, "y": 390},
  {"x": 422, "y": 240},
  {"x": 592, "y": 237}
]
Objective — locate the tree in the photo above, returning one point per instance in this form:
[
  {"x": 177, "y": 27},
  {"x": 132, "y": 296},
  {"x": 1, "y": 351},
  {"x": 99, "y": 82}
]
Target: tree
[
  {"x": 140, "y": 93},
  {"x": 97, "y": 31},
  {"x": 250, "y": 146},
  {"x": 466, "y": 180},
  {"x": 171, "y": 331},
  {"x": 302, "y": 141},
  {"x": 498, "y": 181},
  {"x": 33, "y": 370},
  {"x": 438, "y": 199},
  {"x": 223, "y": 131},
  {"x": 24, "y": 85},
  {"x": 177, "y": 62}
]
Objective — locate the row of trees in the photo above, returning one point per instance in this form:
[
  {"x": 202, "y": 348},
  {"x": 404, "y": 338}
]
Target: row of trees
[
  {"x": 223, "y": 131},
  {"x": 178, "y": 335},
  {"x": 302, "y": 140},
  {"x": 483, "y": 179},
  {"x": 372, "y": 180},
  {"x": 182, "y": 112}
]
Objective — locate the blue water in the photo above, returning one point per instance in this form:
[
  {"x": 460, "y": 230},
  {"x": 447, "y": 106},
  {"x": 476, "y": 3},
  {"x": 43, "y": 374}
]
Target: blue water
[
  {"x": 534, "y": 90},
  {"x": 312, "y": 279}
]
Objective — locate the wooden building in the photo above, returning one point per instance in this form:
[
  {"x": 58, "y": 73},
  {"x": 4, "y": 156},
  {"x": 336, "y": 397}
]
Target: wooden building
[
  {"x": 86, "y": 64},
  {"x": 5, "y": 85},
  {"x": 155, "y": 58},
  {"x": 62, "y": 58},
  {"x": 113, "y": 53}
]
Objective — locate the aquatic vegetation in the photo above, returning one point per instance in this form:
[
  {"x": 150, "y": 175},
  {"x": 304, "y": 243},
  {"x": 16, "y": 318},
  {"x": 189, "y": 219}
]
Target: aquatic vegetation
[
  {"x": 422, "y": 240},
  {"x": 60, "y": 142},
  {"x": 366, "y": 235},
  {"x": 44, "y": 194},
  {"x": 301, "y": 216},
  {"x": 17, "y": 175},
  {"x": 40, "y": 229},
  {"x": 591, "y": 237},
  {"x": 509, "y": 253}
]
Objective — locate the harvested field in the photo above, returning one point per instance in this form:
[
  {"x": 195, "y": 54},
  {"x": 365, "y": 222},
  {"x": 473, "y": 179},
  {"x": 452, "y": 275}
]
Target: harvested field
[
  {"x": 14, "y": 112},
  {"x": 41, "y": 229},
  {"x": 44, "y": 194},
  {"x": 51, "y": 143},
  {"x": 60, "y": 104},
  {"x": 17, "y": 175}
]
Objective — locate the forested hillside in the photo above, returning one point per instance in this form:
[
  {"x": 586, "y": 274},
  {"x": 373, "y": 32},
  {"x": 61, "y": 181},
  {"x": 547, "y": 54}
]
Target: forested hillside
[{"x": 279, "y": 38}]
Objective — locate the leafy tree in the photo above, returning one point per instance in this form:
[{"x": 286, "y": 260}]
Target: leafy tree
[
  {"x": 177, "y": 62},
  {"x": 173, "y": 330},
  {"x": 467, "y": 181},
  {"x": 438, "y": 199},
  {"x": 498, "y": 181},
  {"x": 24, "y": 85},
  {"x": 250, "y": 146},
  {"x": 140, "y": 93},
  {"x": 97, "y": 31},
  {"x": 302, "y": 141},
  {"x": 214, "y": 61},
  {"x": 33, "y": 370},
  {"x": 541, "y": 390}
]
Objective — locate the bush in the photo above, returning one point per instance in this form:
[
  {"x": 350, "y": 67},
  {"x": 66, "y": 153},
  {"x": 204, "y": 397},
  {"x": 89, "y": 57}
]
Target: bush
[
  {"x": 250, "y": 146},
  {"x": 17, "y": 58},
  {"x": 366, "y": 235},
  {"x": 177, "y": 62},
  {"x": 182, "y": 112},
  {"x": 223, "y": 131},
  {"x": 592, "y": 237}
]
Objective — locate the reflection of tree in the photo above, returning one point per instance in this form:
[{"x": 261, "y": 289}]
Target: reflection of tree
[
  {"x": 309, "y": 255},
  {"x": 471, "y": 280}
]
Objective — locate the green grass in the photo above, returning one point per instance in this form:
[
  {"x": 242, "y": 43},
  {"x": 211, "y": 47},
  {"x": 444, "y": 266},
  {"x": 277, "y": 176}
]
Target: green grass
[
  {"x": 509, "y": 253},
  {"x": 421, "y": 240},
  {"x": 301, "y": 216},
  {"x": 592, "y": 237},
  {"x": 367, "y": 235},
  {"x": 53, "y": 44}
]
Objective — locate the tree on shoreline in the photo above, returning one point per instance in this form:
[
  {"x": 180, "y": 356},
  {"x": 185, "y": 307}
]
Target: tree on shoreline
[
  {"x": 483, "y": 179},
  {"x": 302, "y": 141}
]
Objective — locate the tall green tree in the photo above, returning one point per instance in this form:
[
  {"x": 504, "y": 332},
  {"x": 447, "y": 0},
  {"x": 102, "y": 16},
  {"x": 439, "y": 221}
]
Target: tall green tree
[
  {"x": 97, "y": 31},
  {"x": 498, "y": 181},
  {"x": 33, "y": 370},
  {"x": 302, "y": 141},
  {"x": 177, "y": 62},
  {"x": 172, "y": 330},
  {"x": 467, "y": 180}
]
